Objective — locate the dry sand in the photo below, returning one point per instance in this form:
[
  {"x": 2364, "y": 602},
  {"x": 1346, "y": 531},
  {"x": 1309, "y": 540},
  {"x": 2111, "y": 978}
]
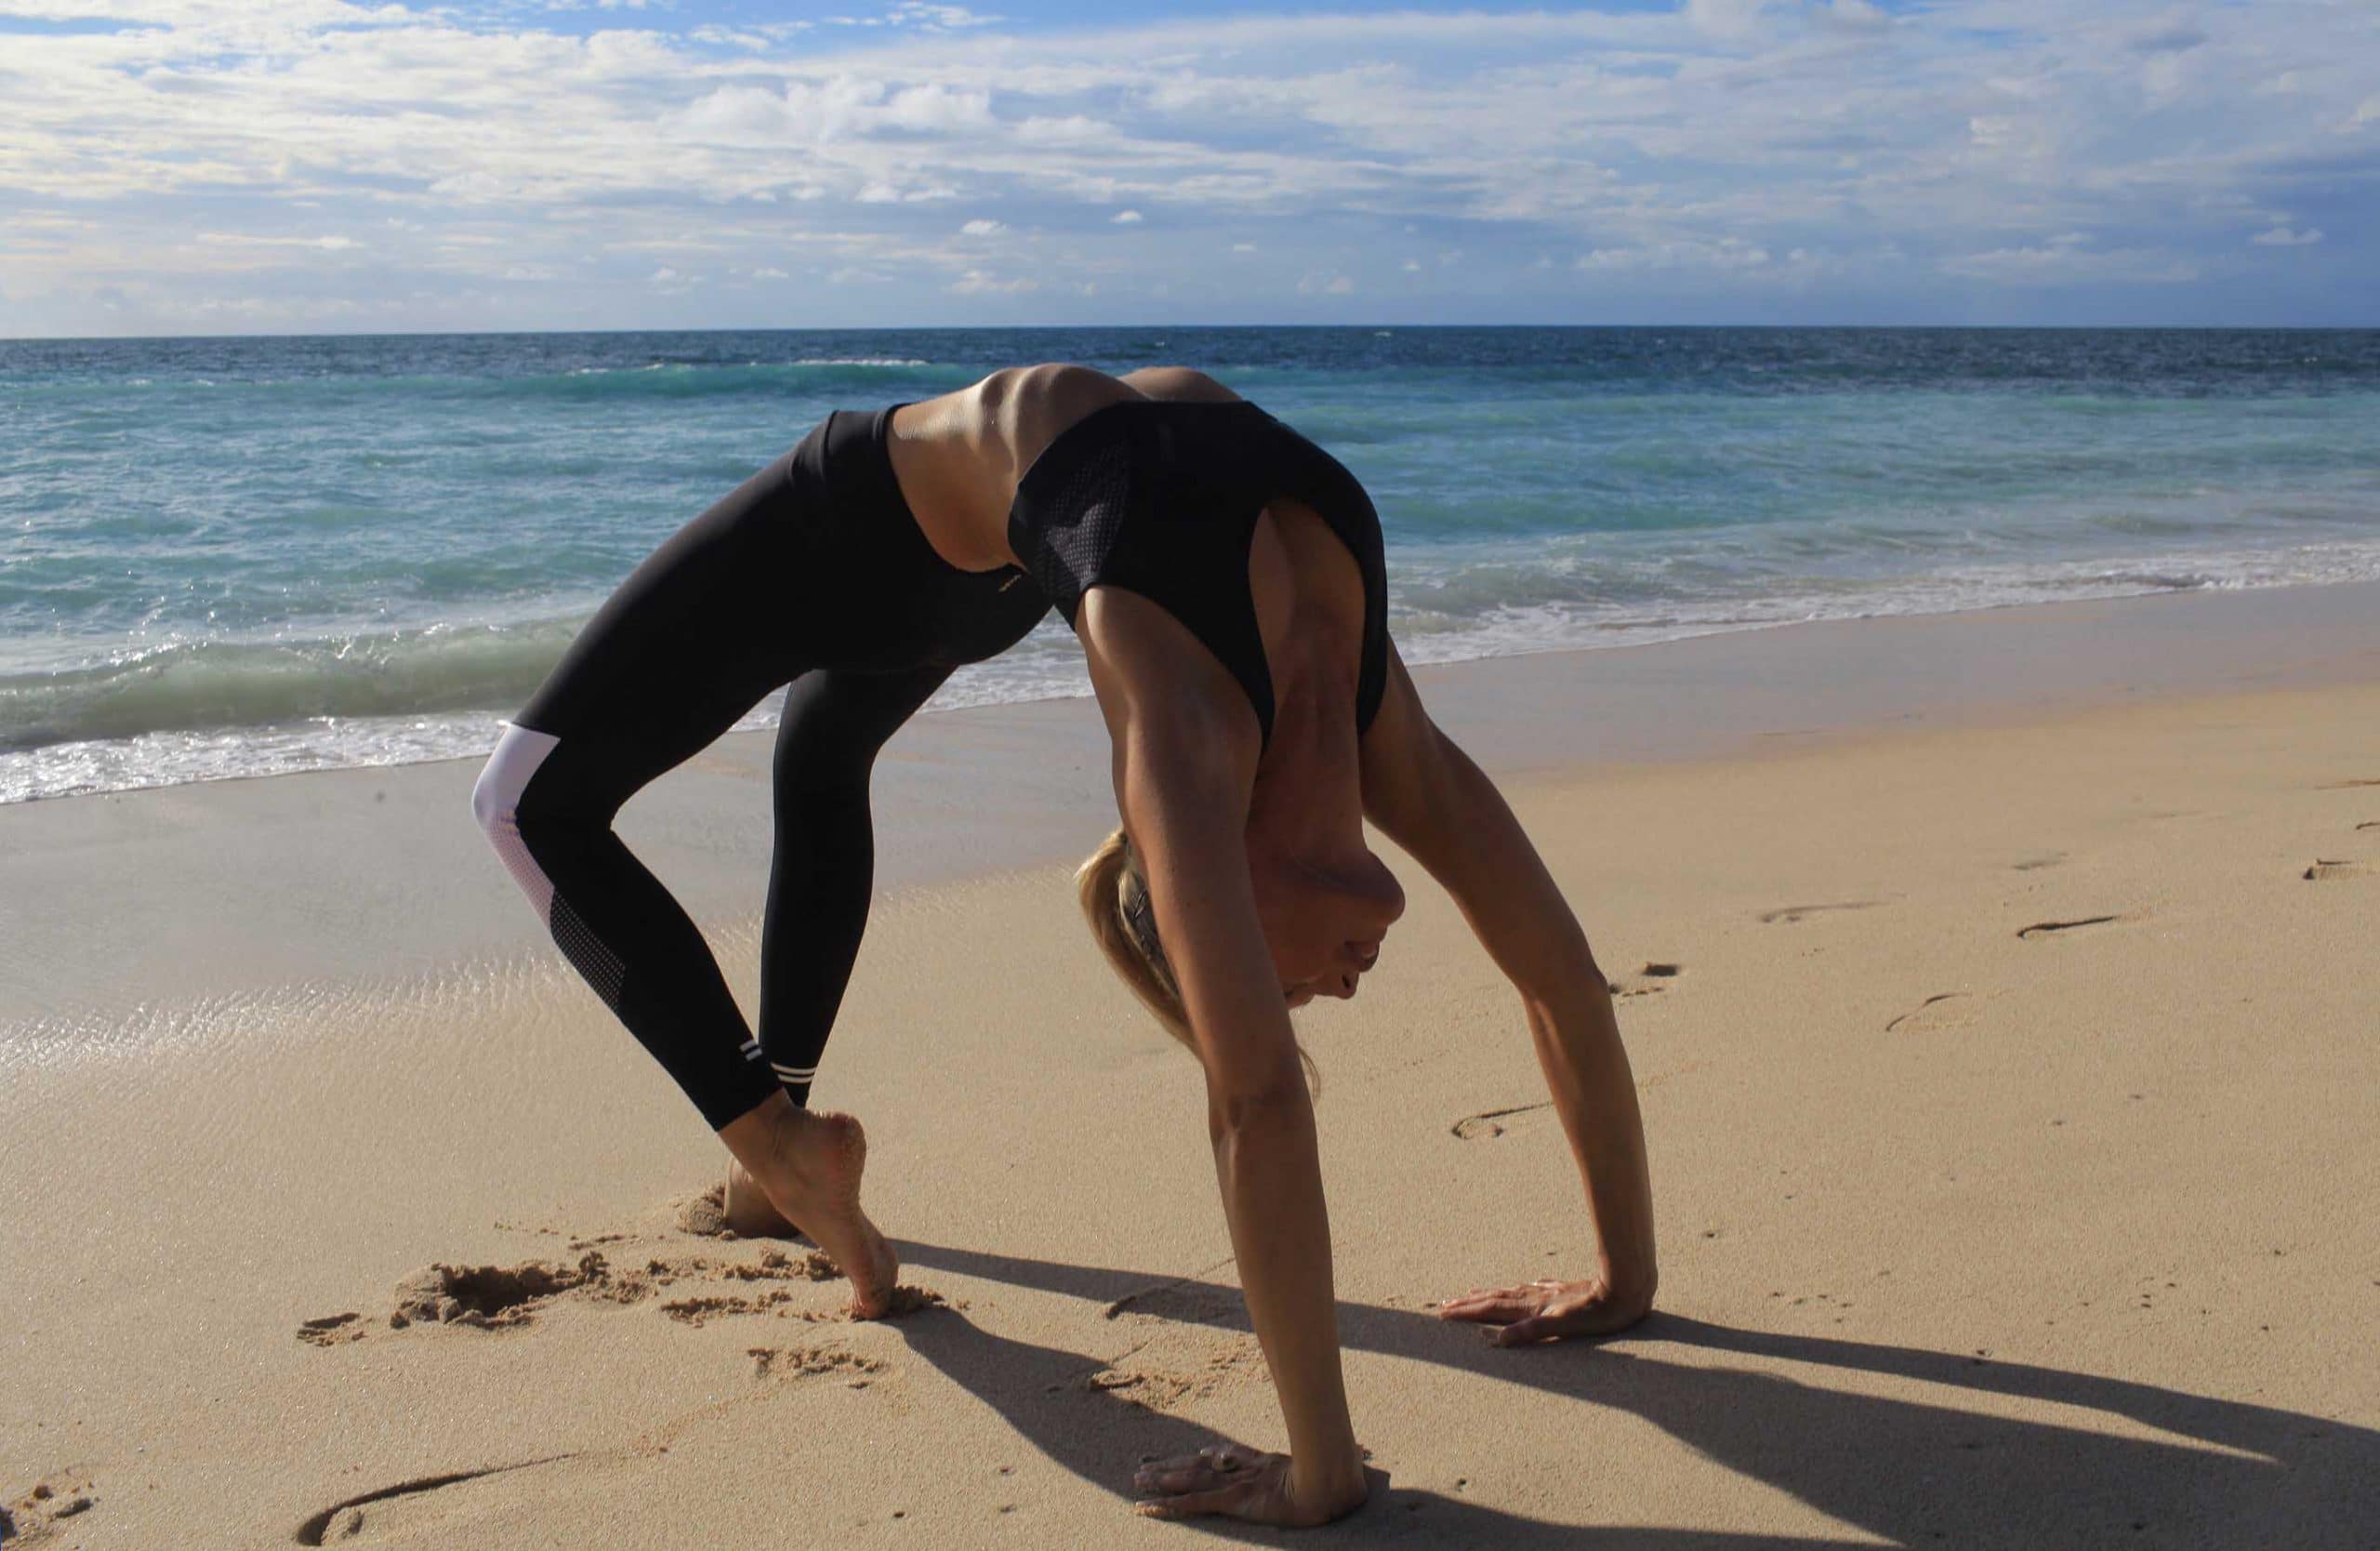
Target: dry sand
[{"x": 2011, "y": 1116}]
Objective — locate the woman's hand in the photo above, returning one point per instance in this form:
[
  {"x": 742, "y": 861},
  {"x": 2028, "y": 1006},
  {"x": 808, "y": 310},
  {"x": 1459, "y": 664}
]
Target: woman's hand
[
  {"x": 1548, "y": 1309},
  {"x": 1242, "y": 1483}
]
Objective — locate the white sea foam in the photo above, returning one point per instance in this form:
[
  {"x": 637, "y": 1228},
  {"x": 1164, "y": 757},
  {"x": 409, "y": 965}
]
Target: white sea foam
[{"x": 1048, "y": 665}]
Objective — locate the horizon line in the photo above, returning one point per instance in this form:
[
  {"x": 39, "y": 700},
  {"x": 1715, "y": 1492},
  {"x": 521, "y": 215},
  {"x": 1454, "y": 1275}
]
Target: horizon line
[{"x": 1249, "y": 327}]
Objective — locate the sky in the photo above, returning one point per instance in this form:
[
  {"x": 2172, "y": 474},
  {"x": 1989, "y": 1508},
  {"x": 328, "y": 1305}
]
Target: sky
[{"x": 236, "y": 166}]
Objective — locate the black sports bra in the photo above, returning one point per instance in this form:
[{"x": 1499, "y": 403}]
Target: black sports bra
[{"x": 1160, "y": 498}]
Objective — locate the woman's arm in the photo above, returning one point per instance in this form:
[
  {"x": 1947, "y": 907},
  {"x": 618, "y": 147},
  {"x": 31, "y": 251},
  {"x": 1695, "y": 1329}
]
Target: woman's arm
[
  {"x": 1425, "y": 794},
  {"x": 1185, "y": 752}
]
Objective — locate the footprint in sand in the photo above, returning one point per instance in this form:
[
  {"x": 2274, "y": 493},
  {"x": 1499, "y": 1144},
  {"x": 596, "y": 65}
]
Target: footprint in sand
[
  {"x": 2326, "y": 872},
  {"x": 2348, "y": 785},
  {"x": 784, "y": 1364},
  {"x": 773, "y": 1266},
  {"x": 1654, "y": 969},
  {"x": 499, "y": 1297},
  {"x": 2034, "y": 863},
  {"x": 507, "y": 1297},
  {"x": 2043, "y": 928},
  {"x": 331, "y": 1330},
  {"x": 1786, "y": 915},
  {"x": 51, "y": 1501}
]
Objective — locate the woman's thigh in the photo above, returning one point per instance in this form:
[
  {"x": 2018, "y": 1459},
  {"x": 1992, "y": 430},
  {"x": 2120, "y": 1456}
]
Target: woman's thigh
[{"x": 688, "y": 644}]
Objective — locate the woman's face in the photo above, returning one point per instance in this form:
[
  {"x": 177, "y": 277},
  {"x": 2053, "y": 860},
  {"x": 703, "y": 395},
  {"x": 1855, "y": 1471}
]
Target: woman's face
[{"x": 1324, "y": 916}]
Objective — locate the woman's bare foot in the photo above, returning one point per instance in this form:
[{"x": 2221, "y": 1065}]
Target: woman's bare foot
[
  {"x": 809, "y": 1167},
  {"x": 746, "y": 1212}
]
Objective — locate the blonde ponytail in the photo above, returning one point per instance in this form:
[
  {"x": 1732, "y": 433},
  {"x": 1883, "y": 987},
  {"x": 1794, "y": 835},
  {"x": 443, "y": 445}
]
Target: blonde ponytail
[{"x": 1114, "y": 897}]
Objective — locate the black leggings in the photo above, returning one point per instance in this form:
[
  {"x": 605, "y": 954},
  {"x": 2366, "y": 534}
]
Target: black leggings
[{"x": 812, "y": 573}]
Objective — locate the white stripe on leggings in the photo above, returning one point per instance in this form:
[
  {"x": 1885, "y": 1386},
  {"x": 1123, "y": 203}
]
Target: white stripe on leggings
[{"x": 495, "y": 801}]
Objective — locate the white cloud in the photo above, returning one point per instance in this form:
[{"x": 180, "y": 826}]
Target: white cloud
[
  {"x": 980, "y": 283},
  {"x": 1070, "y": 129},
  {"x": 1727, "y": 253},
  {"x": 1698, "y": 142},
  {"x": 1326, "y": 285},
  {"x": 1126, "y": 218},
  {"x": 982, "y": 228},
  {"x": 937, "y": 17},
  {"x": 247, "y": 239},
  {"x": 893, "y": 193},
  {"x": 2069, "y": 258}
]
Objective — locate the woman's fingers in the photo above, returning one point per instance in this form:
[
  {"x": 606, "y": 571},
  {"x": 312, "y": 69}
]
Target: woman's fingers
[
  {"x": 1217, "y": 1466},
  {"x": 1485, "y": 1297},
  {"x": 1499, "y": 1307},
  {"x": 1222, "y": 1479},
  {"x": 1190, "y": 1473},
  {"x": 1542, "y": 1311},
  {"x": 1190, "y": 1504}
]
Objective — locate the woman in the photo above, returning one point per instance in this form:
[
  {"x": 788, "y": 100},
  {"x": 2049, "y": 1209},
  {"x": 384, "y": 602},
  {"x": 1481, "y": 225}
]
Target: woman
[{"x": 1226, "y": 580}]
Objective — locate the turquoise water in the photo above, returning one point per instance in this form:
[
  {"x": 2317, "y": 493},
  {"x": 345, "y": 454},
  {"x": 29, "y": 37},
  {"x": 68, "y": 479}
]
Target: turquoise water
[{"x": 240, "y": 556}]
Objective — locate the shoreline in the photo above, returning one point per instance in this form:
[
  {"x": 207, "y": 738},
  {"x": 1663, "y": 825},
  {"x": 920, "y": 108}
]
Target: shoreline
[
  {"x": 983, "y": 790},
  {"x": 433, "y": 737}
]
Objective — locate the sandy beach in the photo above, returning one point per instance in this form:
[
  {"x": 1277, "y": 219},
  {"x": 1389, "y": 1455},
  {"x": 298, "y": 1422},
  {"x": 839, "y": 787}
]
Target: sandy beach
[{"x": 2001, "y": 989}]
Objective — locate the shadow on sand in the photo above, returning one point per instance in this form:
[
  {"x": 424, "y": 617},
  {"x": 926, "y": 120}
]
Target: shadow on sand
[{"x": 1913, "y": 1473}]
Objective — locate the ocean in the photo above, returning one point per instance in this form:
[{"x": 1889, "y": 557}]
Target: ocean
[{"x": 244, "y": 556}]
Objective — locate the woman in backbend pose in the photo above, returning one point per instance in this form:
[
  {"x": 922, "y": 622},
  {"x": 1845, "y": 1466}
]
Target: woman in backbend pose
[{"x": 1225, "y": 577}]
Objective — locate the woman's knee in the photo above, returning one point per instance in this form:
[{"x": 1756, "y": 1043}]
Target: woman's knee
[{"x": 496, "y": 806}]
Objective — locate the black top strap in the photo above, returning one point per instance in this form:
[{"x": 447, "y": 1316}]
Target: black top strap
[{"x": 1161, "y": 499}]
